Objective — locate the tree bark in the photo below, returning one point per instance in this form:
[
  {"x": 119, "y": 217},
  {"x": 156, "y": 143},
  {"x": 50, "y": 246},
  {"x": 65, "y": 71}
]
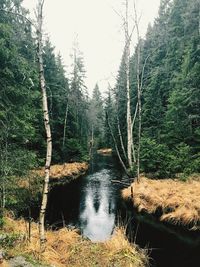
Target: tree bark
[
  {"x": 46, "y": 124},
  {"x": 65, "y": 124},
  {"x": 120, "y": 137},
  {"x": 139, "y": 84},
  {"x": 127, "y": 66},
  {"x": 119, "y": 131},
  {"x": 116, "y": 147}
]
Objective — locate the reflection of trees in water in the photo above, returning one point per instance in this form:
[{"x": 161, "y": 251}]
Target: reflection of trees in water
[
  {"x": 88, "y": 202},
  {"x": 63, "y": 204},
  {"x": 97, "y": 213},
  {"x": 96, "y": 200}
]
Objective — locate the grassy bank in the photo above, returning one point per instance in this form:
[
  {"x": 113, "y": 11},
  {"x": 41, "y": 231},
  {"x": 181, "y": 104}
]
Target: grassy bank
[
  {"x": 175, "y": 201},
  {"x": 66, "y": 171},
  {"x": 67, "y": 248},
  {"x": 105, "y": 151}
]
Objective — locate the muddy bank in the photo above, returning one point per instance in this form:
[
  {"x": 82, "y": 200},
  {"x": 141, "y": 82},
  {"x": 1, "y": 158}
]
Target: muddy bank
[{"x": 173, "y": 201}]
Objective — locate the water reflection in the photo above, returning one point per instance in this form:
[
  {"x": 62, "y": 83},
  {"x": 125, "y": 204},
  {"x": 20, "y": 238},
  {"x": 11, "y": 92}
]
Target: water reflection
[
  {"x": 97, "y": 209},
  {"x": 89, "y": 203}
]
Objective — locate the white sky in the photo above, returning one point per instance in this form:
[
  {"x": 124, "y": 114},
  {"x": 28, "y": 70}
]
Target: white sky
[{"x": 99, "y": 30}]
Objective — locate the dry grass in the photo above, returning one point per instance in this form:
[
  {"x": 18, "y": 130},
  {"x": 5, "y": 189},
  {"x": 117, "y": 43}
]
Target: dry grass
[
  {"x": 68, "y": 248},
  {"x": 65, "y": 170},
  {"x": 105, "y": 151},
  {"x": 178, "y": 201}
]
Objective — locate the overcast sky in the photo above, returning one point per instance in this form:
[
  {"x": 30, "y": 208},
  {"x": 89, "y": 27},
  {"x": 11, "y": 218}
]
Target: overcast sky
[{"x": 99, "y": 30}]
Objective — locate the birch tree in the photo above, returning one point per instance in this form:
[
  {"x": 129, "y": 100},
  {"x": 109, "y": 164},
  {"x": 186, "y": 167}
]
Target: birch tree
[
  {"x": 46, "y": 123},
  {"x": 127, "y": 66},
  {"x": 139, "y": 93}
]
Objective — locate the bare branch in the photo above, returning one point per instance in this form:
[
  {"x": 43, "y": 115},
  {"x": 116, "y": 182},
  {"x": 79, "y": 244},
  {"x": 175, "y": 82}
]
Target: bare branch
[
  {"x": 116, "y": 146},
  {"x": 20, "y": 15}
]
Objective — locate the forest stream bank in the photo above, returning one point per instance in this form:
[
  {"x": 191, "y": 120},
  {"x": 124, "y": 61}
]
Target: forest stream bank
[
  {"x": 66, "y": 247},
  {"x": 65, "y": 173},
  {"x": 174, "y": 201}
]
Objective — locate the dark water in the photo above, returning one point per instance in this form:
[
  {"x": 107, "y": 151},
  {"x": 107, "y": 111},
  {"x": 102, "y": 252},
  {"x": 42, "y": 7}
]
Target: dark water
[
  {"x": 89, "y": 203},
  {"x": 93, "y": 205}
]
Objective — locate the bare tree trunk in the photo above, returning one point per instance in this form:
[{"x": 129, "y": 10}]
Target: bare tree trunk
[
  {"x": 46, "y": 123},
  {"x": 5, "y": 172},
  {"x": 127, "y": 65},
  {"x": 3, "y": 194},
  {"x": 132, "y": 125},
  {"x": 116, "y": 147},
  {"x": 65, "y": 124},
  {"x": 120, "y": 137},
  {"x": 139, "y": 84},
  {"x": 119, "y": 131},
  {"x": 91, "y": 143},
  {"x": 92, "y": 135}
]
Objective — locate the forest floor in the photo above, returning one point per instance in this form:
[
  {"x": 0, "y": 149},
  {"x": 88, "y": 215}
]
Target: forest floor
[
  {"x": 175, "y": 201},
  {"x": 67, "y": 248}
]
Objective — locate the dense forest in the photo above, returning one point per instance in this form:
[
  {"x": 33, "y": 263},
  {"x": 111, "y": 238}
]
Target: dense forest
[
  {"x": 150, "y": 117},
  {"x": 169, "y": 66},
  {"x": 168, "y": 69}
]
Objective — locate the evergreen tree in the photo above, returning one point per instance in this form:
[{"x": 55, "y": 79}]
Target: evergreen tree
[{"x": 96, "y": 117}]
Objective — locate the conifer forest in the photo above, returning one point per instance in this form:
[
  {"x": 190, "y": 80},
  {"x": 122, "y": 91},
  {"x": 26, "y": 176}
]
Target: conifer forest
[{"x": 100, "y": 176}]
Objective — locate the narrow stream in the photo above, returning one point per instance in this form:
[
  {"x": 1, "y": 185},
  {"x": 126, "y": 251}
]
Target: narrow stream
[
  {"x": 93, "y": 204},
  {"x": 89, "y": 203}
]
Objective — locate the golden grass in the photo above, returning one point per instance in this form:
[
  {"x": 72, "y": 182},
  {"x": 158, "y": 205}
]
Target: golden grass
[
  {"x": 64, "y": 170},
  {"x": 104, "y": 151},
  {"x": 67, "y": 248},
  {"x": 178, "y": 201}
]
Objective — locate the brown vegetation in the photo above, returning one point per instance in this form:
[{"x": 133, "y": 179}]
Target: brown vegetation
[
  {"x": 105, "y": 151},
  {"x": 65, "y": 170},
  {"x": 178, "y": 201},
  {"x": 67, "y": 248}
]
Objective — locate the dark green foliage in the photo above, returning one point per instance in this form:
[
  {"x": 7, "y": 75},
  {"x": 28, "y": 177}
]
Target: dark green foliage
[
  {"x": 8, "y": 240},
  {"x": 171, "y": 91},
  {"x": 154, "y": 157},
  {"x": 96, "y": 118},
  {"x": 108, "y": 114},
  {"x": 22, "y": 134},
  {"x": 2, "y": 221},
  {"x": 75, "y": 150}
]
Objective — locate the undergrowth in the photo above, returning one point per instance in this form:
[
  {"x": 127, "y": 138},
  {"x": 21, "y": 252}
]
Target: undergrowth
[{"x": 67, "y": 248}]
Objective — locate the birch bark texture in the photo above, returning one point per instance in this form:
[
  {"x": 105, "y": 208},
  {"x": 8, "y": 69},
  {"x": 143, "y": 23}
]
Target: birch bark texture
[
  {"x": 46, "y": 123},
  {"x": 127, "y": 66},
  {"x": 139, "y": 94}
]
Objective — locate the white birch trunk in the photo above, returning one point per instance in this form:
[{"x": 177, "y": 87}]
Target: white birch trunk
[
  {"x": 139, "y": 89},
  {"x": 127, "y": 65},
  {"x": 116, "y": 147},
  {"x": 46, "y": 123},
  {"x": 65, "y": 125}
]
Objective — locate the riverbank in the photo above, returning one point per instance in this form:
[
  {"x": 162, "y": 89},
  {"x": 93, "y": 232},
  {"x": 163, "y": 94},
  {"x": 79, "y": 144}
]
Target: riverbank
[
  {"x": 59, "y": 174},
  {"x": 65, "y": 172},
  {"x": 104, "y": 151},
  {"x": 172, "y": 201},
  {"x": 67, "y": 248}
]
